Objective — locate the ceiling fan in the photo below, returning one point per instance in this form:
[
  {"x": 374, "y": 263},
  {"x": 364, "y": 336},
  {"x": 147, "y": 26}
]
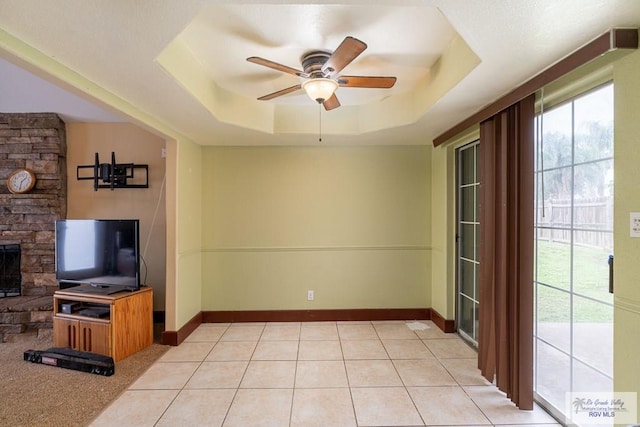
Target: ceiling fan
[{"x": 322, "y": 73}]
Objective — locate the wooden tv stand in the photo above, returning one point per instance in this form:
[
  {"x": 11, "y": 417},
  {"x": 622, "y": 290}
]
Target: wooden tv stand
[{"x": 123, "y": 324}]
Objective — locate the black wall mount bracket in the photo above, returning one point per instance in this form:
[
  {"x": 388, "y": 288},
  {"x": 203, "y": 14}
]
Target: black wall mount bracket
[{"x": 114, "y": 175}]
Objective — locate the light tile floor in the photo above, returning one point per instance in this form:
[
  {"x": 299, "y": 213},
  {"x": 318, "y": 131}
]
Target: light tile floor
[{"x": 316, "y": 374}]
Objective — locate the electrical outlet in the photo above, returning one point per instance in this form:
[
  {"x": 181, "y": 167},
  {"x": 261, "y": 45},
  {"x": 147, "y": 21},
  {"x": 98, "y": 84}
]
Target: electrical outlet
[{"x": 310, "y": 295}]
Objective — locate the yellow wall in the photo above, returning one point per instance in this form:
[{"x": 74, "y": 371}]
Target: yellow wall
[
  {"x": 351, "y": 223},
  {"x": 187, "y": 298},
  {"x": 441, "y": 276},
  {"x": 626, "y": 248},
  {"x": 131, "y": 145}
]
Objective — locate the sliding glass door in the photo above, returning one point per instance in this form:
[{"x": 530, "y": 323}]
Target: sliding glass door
[
  {"x": 467, "y": 238},
  {"x": 574, "y": 238}
]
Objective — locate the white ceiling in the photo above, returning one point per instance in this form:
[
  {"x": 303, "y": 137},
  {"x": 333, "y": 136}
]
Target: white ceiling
[{"x": 179, "y": 66}]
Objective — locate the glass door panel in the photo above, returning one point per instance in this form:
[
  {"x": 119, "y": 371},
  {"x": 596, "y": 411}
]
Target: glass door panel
[
  {"x": 574, "y": 237},
  {"x": 467, "y": 242}
]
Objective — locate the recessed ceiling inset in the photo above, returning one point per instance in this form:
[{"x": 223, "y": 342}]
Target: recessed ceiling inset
[{"x": 415, "y": 44}]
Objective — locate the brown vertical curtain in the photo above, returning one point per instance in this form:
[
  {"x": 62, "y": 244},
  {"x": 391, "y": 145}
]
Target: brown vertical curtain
[{"x": 505, "y": 336}]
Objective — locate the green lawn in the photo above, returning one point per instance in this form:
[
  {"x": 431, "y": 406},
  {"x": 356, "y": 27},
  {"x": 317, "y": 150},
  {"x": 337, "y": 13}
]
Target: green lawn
[{"x": 591, "y": 278}]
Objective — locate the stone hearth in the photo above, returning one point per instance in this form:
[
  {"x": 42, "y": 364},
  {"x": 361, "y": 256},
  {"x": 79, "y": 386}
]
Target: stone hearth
[
  {"x": 24, "y": 313},
  {"x": 36, "y": 141}
]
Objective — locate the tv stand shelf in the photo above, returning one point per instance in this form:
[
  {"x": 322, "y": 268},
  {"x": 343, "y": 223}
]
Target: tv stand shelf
[{"x": 115, "y": 325}]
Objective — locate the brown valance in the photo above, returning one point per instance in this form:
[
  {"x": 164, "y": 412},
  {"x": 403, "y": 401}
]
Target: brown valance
[{"x": 618, "y": 39}]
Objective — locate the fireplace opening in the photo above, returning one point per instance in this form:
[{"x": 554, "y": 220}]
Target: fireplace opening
[{"x": 10, "y": 278}]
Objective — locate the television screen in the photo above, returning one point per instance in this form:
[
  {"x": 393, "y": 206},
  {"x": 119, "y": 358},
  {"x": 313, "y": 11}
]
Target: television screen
[{"x": 103, "y": 253}]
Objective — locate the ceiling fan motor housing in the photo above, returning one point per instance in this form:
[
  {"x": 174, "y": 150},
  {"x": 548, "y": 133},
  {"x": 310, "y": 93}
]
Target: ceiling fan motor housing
[{"x": 313, "y": 61}]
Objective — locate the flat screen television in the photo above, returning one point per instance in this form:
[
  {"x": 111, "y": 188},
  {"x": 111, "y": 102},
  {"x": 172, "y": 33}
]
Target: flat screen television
[{"x": 102, "y": 255}]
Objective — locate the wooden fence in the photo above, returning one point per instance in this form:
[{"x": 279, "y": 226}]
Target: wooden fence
[{"x": 591, "y": 222}]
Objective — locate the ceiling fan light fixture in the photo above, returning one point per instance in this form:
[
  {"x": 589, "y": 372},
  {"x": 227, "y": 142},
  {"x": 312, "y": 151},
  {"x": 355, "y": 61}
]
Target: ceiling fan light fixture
[{"x": 320, "y": 89}]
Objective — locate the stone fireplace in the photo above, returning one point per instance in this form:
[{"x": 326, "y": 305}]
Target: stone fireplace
[{"x": 36, "y": 141}]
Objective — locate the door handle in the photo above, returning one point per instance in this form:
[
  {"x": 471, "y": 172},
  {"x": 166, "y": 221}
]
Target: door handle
[{"x": 610, "y": 274}]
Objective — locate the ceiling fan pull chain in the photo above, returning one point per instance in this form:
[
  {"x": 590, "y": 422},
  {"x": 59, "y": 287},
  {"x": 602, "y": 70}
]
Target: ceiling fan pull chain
[{"x": 320, "y": 120}]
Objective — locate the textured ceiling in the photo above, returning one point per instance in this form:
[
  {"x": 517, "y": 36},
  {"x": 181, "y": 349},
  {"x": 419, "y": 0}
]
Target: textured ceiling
[{"x": 180, "y": 66}]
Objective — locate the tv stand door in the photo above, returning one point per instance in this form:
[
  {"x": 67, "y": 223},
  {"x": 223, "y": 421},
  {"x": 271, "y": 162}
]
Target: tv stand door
[
  {"x": 65, "y": 333},
  {"x": 94, "y": 337}
]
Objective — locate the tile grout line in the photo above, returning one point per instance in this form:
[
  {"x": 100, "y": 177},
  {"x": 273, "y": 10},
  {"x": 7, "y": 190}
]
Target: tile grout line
[
  {"x": 344, "y": 362},
  {"x": 295, "y": 374},
  {"x": 235, "y": 393}
]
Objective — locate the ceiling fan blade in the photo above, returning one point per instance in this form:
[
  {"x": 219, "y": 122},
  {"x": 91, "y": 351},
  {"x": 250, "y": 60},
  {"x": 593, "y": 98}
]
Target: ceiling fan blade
[
  {"x": 348, "y": 50},
  {"x": 331, "y": 103},
  {"x": 369, "y": 82},
  {"x": 275, "y": 66},
  {"x": 280, "y": 93}
]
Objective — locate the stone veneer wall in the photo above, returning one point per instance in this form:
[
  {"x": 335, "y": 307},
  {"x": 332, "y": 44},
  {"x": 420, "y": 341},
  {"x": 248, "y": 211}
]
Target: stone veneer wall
[{"x": 35, "y": 141}]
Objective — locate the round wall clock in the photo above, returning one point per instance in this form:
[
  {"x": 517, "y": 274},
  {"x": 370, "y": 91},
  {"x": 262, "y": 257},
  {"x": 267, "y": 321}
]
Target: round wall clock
[{"x": 21, "y": 181}]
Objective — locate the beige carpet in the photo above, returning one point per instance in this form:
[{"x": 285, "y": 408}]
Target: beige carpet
[{"x": 40, "y": 395}]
